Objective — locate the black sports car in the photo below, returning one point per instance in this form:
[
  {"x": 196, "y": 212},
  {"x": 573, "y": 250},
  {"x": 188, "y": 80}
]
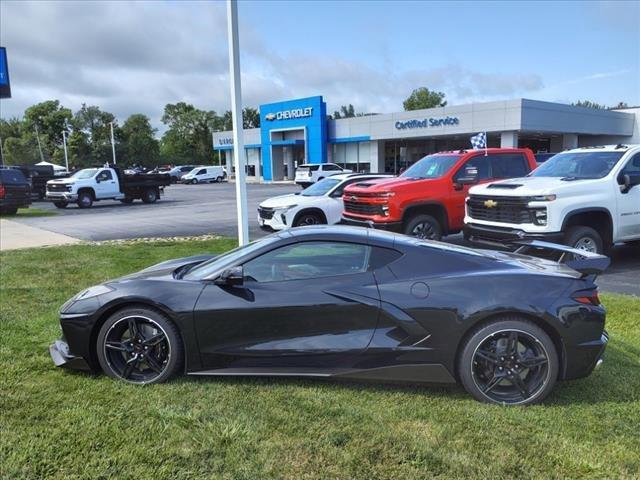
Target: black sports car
[{"x": 349, "y": 303}]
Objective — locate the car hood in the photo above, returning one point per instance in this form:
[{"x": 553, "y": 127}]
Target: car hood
[
  {"x": 385, "y": 184},
  {"x": 529, "y": 186},
  {"x": 282, "y": 201},
  {"x": 166, "y": 268},
  {"x": 62, "y": 181}
]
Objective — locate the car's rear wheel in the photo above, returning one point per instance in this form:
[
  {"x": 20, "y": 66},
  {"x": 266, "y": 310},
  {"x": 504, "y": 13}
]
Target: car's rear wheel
[
  {"x": 149, "y": 195},
  {"x": 60, "y": 204},
  {"x": 509, "y": 362},
  {"x": 305, "y": 219},
  {"x": 584, "y": 238},
  {"x": 425, "y": 227},
  {"x": 139, "y": 345}
]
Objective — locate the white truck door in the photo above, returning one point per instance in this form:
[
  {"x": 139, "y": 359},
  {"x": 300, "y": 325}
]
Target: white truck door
[
  {"x": 628, "y": 204},
  {"x": 106, "y": 185}
]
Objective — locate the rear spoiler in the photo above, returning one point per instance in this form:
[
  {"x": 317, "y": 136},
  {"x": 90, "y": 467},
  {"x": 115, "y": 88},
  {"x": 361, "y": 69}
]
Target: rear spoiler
[{"x": 587, "y": 263}]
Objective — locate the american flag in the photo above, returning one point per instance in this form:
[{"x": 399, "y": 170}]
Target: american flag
[{"x": 479, "y": 141}]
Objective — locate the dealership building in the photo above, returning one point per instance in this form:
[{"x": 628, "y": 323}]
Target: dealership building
[{"x": 298, "y": 131}]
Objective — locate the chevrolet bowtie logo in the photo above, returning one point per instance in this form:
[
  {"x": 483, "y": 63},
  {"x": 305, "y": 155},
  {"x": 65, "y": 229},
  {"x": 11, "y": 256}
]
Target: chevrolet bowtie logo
[
  {"x": 353, "y": 198},
  {"x": 490, "y": 203},
  {"x": 270, "y": 116}
]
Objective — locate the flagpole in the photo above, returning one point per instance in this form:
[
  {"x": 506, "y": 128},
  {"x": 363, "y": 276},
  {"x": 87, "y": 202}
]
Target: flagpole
[{"x": 486, "y": 142}]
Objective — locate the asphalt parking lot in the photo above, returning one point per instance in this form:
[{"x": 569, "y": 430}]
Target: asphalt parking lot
[{"x": 187, "y": 210}]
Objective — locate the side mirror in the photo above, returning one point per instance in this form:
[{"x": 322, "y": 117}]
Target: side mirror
[
  {"x": 628, "y": 181},
  {"x": 468, "y": 177},
  {"x": 231, "y": 277}
]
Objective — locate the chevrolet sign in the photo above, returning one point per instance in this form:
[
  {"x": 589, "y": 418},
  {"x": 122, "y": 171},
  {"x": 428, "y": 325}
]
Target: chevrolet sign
[
  {"x": 490, "y": 203},
  {"x": 289, "y": 114}
]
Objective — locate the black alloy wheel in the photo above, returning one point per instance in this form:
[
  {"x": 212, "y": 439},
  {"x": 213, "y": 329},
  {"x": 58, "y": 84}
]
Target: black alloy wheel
[
  {"x": 139, "y": 346},
  {"x": 424, "y": 227},
  {"x": 306, "y": 219},
  {"x": 509, "y": 363}
]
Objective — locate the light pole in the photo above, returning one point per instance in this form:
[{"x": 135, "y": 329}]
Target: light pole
[
  {"x": 113, "y": 144},
  {"x": 1, "y": 153},
  {"x": 64, "y": 144},
  {"x": 236, "y": 116},
  {"x": 39, "y": 146}
]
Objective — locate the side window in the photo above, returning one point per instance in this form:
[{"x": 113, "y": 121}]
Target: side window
[
  {"x": 479, "y": 163},
  {"x": 632, "y": 166},
  {"x": 331, "y": 167},
  {"x": 308, "y": 260},
  {"x": 202, "y": 171},
  {"x": 104, "y": 175},
  {"x": 508, "y": 166},
  {"x": 186, "y": 169}
]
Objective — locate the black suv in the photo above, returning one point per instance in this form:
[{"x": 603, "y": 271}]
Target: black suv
[{"x": 15, "y": 191}]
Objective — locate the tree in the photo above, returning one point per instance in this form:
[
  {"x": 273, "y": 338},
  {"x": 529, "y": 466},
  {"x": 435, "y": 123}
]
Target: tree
[
  {"x": 622, "y": 105},
  {"x": 589, "y": 104},
  {"x": 139, "y": 145},
  {"x": 188, "y": 138},
  {"x": 250, "y": 118},
  {"x": 51, "y": 119},
  {"x": 93, "y": 144},
  {"x": 422, "y": 98},
  {"x": 346, "y": 111}
]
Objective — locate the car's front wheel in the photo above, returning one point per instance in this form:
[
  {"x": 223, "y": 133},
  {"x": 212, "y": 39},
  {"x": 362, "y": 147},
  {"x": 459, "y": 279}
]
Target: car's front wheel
[
  {"x": 139, "y": 345},
  {"x": 308, "y": 218},
  {"x": 584, "y": 238},
  {"x": 509, "y": 362},
  {"x": 424, "y": 227}
]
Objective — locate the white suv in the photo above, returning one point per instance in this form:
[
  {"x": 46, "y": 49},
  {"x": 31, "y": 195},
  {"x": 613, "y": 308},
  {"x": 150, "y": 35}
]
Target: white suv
[
  {"x": 588, "y": 198},
  {"x": 308, "y": 173},
  {"x": 318, "y": 204}
]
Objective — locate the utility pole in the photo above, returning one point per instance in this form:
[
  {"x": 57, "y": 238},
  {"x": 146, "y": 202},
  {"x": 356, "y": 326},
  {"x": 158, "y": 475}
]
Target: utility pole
[
  {"x": 39, "y": 146},
  {"x": 236, "y": 115},
  {"x": 1, "y": 153},
  {"x": 64, "y": 143},
  {"x": 113, "y": 144}
]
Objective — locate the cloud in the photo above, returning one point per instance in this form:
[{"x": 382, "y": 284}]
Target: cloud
[{"x": 130, "y": 57}]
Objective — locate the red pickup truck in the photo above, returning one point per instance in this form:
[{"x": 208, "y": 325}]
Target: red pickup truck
[{"x": 427, "y": 200}]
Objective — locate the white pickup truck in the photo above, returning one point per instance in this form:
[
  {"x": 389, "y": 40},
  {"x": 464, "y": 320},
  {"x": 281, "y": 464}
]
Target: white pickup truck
[
  {"x": 106, "y": 183},
  {"x": 587, "y": 198}
]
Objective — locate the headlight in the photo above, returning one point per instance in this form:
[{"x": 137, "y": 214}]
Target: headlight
[
  {"x": 93, "y": 292},
  {"x": 542, "y": 198},
  {"x": 286, "y": 209}
]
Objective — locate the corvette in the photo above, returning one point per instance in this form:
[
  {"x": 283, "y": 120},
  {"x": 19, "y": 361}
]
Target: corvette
[{"x": 352, "y": 303}]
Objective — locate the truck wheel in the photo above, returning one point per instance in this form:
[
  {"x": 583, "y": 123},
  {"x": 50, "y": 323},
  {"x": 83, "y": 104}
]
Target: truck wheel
[
  {"x": 60, "y": 204},
  {"x": 149, "y": 195},
  {"x": 424, "y": 227},
  {"x": 218, "y": 179},
  {"x": 584, "y": 238},
  {"x": 85, "y": 200}
]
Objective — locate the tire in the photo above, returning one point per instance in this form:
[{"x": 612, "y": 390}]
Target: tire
[
  {"x": 149, "y": 195},
  {"x": 153, "y": 355},
  {"x": 9, "y": 210},
  {"x": 61, "y": 204},
  {"x": 194, "y": 181},
  {"x": 85, "y": 200},
  {"x": 424, "y": 227},
  {"x": 584, "y": 238},
  {"x": 218, "y": 179},
  {"x": 310, "y": 218},
  {"x": 491, "y": 374}
]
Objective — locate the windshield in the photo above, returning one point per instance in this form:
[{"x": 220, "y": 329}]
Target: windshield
[
  {"x": 578, "y": 165},
  {"x": 431, "y": 166},
  {"x": 86, "y": 173},
  {"x": 320, "y": 188},
  {"x": 208, "y": 268}
]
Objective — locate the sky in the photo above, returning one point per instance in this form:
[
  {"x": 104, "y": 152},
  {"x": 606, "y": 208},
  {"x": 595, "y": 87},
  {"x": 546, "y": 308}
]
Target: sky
[{"x": 135, "y": 57}]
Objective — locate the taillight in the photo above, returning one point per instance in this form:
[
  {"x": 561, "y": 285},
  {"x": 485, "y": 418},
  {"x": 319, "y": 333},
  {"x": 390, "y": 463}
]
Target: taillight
[
  {"x": 587, "y": 297},
  {"x": 2, "y": 191}
]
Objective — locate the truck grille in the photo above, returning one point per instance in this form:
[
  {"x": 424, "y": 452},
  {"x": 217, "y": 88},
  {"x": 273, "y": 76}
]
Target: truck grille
[
  {"x": 265, "y": 213},
  {"x": 58, "y": 188},
  {"x": 500, "y": 209},
  {"x": 351, "y": 206}
]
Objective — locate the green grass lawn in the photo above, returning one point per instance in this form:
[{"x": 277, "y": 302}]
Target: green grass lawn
[
  {"x": 30, "y": 212},
  {"x": 62, "y": 425}
]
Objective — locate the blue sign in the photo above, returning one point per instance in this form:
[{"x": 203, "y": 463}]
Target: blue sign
[
  {"x": 308, "y": 114},
  {"x": 428, "y": 123},
  {"x": 5, "y": 87}
]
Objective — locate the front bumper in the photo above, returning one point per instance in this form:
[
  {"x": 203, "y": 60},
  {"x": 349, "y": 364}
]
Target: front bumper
[
  {"x": 387, "y": 226},
  {"x": 62, "y": 196},
  {"x": 501, "y": 235},
  {"x": 62, "y": 357}
]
